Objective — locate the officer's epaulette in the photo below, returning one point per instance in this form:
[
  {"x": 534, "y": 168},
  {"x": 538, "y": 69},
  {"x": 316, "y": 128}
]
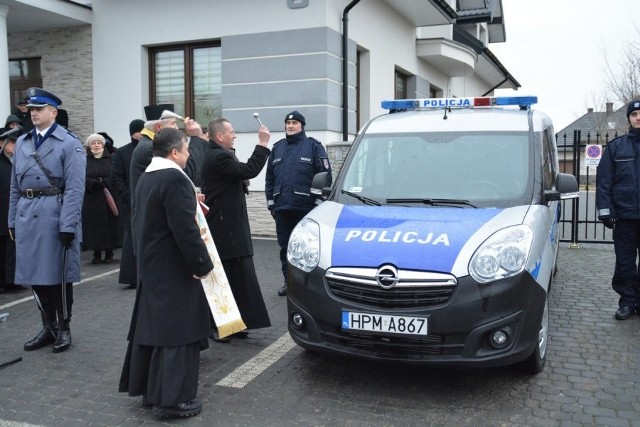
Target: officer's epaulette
[
  {"x": 72, "y": 134},
  {"x": 314, "y": 140}
]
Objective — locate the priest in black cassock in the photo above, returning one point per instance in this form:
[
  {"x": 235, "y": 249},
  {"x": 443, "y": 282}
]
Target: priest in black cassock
[{"x": 170, "y": 320}]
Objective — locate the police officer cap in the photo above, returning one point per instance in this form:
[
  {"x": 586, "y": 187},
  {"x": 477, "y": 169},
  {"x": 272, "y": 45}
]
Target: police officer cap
[
  {"x": 633, "y": 106},
  {"x": 40, "y": 98},
  {"x": 12, "y": 134},
  {"x": 295, "y": 115}
]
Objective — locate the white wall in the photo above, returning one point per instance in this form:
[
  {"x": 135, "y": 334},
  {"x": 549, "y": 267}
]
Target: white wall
[{"x": 122, "y": 29}]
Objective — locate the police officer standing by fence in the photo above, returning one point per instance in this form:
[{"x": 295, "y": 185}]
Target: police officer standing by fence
[
  {"x": 47, "y": 188},
  {"x": 618, "y": 203},
  {"x": 292, "y": 164}
]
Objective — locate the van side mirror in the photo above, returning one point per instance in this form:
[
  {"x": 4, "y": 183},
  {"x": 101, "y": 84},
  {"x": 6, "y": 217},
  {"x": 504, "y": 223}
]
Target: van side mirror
[
  {"x": 566, "y": 188},
  {"x": 321, "y": 185}
]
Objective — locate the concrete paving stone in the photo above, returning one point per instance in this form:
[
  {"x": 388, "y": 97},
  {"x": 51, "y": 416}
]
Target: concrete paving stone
[
  {"x": 583, "y": 419},
  {"x": 570, "y": 423},
  {"x": 611, "y": 422},
  {"x": 598, "y": 411}
]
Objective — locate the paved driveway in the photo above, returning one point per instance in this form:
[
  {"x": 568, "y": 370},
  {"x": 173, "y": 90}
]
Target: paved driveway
[{"x": 592, "y": 375}]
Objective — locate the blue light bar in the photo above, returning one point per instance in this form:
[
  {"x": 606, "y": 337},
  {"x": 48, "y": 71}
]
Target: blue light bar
[{"x": 486, "y": 101}]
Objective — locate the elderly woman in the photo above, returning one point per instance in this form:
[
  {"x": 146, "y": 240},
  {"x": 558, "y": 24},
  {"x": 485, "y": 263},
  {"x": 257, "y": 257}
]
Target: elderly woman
[{"x": 99, "y": 223}]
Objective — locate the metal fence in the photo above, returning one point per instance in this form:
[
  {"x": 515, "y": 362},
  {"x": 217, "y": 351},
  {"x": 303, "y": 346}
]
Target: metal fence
[{"x": 579, "y": 217}]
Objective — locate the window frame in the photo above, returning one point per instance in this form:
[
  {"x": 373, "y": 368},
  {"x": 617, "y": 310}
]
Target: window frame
[{"x": 188, "y": 56}]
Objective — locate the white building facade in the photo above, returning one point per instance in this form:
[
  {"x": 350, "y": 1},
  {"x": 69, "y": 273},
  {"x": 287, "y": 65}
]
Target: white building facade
[{"x": 107, "y": 59}]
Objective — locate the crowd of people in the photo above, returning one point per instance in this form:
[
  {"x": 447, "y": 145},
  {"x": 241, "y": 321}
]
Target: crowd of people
[{"x": 61, "y": 196}]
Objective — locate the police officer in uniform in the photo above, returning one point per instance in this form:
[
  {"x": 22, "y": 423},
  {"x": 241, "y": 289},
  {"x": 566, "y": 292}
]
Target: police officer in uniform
[
  {"x": 45, "y": 207},
  {"x": 618, "y": 203},
  {"x": 292, "y": 164}
]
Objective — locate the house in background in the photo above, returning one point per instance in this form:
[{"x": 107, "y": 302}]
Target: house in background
[
  {"x": 107, "y": 59},
  {"x": 596, "y": 127}
]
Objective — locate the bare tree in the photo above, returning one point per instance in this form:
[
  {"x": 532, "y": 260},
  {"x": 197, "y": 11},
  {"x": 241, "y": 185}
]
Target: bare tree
[{"x": 623, "y": 77}]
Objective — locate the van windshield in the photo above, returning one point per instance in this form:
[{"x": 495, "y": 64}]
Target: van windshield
[{"x": 484, "y": 169}]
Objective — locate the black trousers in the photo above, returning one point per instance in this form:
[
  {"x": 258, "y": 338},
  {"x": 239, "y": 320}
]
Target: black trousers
[
  {"x": 286, "y": 221},
  {"x": 7, "y": 261},
  {"x": 626, "y": 242},
  {"x": 49, "y": 301}
]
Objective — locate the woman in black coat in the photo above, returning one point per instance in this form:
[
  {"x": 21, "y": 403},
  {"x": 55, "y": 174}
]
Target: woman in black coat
[{"x": 99, "y": 223}]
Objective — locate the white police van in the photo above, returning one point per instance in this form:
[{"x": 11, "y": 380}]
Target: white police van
[{"x": 438, "y": 241}]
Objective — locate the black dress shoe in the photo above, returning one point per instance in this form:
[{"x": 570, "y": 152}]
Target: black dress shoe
[
  {"x": 184, "y": 409},
  {"x": 283, "y": 291},
  {"x": 63, "y": 341},
  {"x": 44, "y": 337},
  {"x": 241, "y": 334},
  {"x": 216, "y": 337},
  {"x": 624, "y": 312}
]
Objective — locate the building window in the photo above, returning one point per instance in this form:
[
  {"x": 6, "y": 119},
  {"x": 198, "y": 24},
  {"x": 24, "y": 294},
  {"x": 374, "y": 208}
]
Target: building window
[
  {"x": 401, "y": 85},
  {"x": 189, "y": 77},
  {"x": 23, "y": 74}
]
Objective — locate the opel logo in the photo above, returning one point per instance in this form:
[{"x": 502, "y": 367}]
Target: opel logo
[{"x": 387, "y": 276}]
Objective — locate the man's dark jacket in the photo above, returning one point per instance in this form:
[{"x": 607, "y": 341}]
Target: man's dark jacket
[
  {"x": 171, "y": 308},
  {"x": 618, "y": 178},
  {"x": 223, "y": 175}
]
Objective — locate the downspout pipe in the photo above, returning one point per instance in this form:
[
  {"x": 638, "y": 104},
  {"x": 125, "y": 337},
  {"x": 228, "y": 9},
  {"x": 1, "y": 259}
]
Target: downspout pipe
[{"x": 345, "y": 70}]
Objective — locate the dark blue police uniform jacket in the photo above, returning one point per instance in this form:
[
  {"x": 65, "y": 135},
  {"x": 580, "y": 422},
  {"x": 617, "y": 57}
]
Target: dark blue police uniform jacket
[
  {"x": 292, "y": 164},
  {"x": 617, "y": 179}
]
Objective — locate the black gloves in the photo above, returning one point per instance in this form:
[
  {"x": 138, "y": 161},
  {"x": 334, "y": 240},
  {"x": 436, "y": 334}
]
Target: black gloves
[
  {"x": 608, "y": 221},
  {"x": 67, "y": 238}
]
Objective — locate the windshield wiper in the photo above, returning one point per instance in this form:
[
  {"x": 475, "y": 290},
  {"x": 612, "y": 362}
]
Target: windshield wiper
[
  {"x": 433, "y": 202},
  {"x": 363, "y": 199}
]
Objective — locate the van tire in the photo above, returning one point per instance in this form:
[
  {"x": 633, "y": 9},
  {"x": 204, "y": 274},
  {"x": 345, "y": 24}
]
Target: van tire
[{"x": 534, "y": 364}]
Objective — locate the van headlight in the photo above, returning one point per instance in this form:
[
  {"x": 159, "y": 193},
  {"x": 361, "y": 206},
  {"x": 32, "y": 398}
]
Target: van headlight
[
  {"x": 303, "y": 250},
  {"x": 502, "y": 255}
]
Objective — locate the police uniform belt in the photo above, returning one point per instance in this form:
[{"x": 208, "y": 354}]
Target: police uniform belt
[{"x": 30, "y": 193}]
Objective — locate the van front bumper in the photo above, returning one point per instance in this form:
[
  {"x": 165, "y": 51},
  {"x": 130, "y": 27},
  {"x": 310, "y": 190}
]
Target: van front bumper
[{"x": 459, "y": 331}]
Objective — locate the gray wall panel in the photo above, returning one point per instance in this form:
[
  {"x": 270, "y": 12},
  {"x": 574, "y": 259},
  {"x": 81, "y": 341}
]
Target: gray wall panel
[
  {"x": 296, "y": 67},
  {"x": 276, "y": 72},
  {"x": 274, "y": 94},
  {"x": 281, "y": 43}
]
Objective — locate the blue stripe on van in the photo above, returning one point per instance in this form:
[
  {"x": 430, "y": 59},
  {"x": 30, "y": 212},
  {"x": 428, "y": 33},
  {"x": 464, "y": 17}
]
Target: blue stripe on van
[{"x": 419, "y": 238}]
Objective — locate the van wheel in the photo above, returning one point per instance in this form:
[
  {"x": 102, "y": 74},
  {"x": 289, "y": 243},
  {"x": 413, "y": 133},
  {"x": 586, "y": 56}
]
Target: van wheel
[{"x": 534, "y": 364}]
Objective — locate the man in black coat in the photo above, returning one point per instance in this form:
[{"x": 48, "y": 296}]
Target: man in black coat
[
  {"x": 160, "y": 117},
  {"x": 8, "y": 139},
  {"x": 224, "y": 185},
  {"x": 170, "y": 320},
  {"x": 120, "y": 175}
]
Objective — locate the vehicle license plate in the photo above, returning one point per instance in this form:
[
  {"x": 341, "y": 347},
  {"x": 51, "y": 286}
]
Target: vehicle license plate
[{"x": 384, "y": 323}]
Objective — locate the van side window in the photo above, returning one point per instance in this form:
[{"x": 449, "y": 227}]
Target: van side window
[{"x": 549, "y": 161}]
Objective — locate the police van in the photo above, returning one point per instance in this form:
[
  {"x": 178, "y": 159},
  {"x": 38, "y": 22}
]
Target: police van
[{"x": 438, "y": 241}]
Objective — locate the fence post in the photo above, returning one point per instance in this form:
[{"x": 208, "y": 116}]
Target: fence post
[{"x": 576, "y": 202}]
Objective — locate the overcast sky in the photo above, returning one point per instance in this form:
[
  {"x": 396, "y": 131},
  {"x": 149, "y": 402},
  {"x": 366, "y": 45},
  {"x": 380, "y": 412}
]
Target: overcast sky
[{"x": 555, "y": 50}]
